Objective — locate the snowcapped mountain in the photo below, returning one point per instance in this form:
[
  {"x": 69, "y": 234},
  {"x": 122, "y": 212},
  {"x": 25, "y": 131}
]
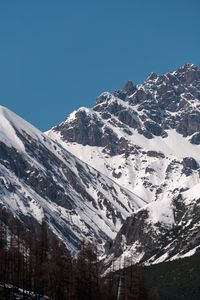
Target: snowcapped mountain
[
  {"x": 146, "y": 138},
  {"x": 39, "y": 180},
  {"x": 125, "y": 171},
  {"x": 133, "y": 136}
]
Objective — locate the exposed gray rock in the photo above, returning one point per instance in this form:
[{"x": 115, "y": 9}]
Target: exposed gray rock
[
  {"x": 195, "y": 139},
  {"x": 103, "y": 97},
  {"x": 129, "y": 88},
  {"x": 153, "y": 127},
  {"x": 129, "y": 118},
  {"x": 189, "y": 164},
  {"x": 189, "y": 124},
  {"x": 120, "y": 94},
  {"x": 152, "y": 153},
  {"x": 139, "y": 96}
]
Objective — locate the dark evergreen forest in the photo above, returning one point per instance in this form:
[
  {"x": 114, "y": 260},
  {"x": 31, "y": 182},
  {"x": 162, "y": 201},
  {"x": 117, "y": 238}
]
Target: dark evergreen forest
[{"x": 40, "y": 267}]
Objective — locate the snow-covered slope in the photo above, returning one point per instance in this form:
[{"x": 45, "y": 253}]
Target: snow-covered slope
[
  {"x": 41, "y": 180},
  {"x": 161, "y": 231},
  {"x": 145, "y": 138}
]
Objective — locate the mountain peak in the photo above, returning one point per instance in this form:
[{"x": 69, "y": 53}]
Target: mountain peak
[
  {"x": 188, "y": 74},
  {"x": 188, "y": 68},
  {"x": 129, "y": 88},
  {"x": 103, "y": 97},
  {"x": 152, "y": 76}
]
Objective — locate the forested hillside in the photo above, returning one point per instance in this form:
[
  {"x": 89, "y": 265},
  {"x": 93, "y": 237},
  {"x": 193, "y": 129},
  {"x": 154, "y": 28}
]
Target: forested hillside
[{"x": 38, "y": 266}]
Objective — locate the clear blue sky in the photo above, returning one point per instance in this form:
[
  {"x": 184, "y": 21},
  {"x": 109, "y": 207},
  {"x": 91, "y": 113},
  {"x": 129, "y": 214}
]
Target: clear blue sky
[{"x": 57, "y": 55}]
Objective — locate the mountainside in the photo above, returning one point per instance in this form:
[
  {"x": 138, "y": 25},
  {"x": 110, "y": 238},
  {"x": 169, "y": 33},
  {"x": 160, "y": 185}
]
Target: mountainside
[
  {"x": 41, "y": 180},
  {"x": 162, "y": 231},
  {"x": 125, "y": 173},
  {"x": 147, "y": 139}
]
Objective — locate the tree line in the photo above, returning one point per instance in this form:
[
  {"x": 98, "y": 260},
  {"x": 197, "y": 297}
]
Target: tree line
[{"x": 42, "y": 267}]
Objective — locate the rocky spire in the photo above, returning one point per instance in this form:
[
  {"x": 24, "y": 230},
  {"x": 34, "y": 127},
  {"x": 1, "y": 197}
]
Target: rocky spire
[{"x": 129, "y": 88}]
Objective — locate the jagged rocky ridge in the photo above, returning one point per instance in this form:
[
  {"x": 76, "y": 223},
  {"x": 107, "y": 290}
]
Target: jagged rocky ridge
[
  {"x": 146, "y": 138},
  {"x": 170, "y": 101},
  {"x": 136, "y": 141}
]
